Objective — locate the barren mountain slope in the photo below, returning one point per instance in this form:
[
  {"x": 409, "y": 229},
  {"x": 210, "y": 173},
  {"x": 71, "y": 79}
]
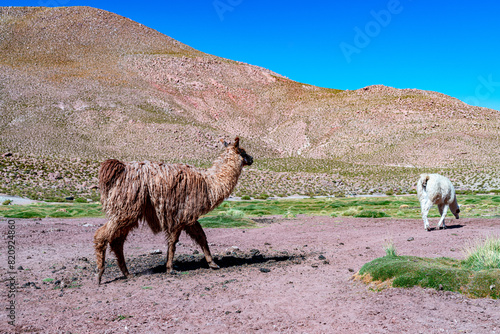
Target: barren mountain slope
[{"x": 83, "y": 82}]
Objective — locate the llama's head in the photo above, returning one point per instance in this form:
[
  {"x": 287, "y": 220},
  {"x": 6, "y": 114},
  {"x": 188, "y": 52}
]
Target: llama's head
[
  {"x": 235, "y": 148},
  {"x": 455, "y": 208}
]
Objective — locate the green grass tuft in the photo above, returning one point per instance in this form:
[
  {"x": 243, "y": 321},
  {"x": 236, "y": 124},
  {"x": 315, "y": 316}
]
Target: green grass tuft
[
  {"x": 76, "y": 210},
  {"x": 226, "y": 221},
  {"x": 371, "y": 214},
  {"x": 483, "y": 255},
  {"x": 390, "y": 249},
  {"x": 439, "y": 273}
]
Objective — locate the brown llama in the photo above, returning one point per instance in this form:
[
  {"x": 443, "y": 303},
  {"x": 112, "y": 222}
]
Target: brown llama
[{"x": 168, "y": 197}]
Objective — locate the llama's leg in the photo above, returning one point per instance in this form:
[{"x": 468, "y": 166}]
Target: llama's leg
[
  {"x": 443, "y": 209},
  {"x": 117, "y": 247},
  {"x": 196, "y": 232},
  {"x": 426, "y": 206},
  {"x": 100, "y": 245},
  {"x": 172, "y": 238}
]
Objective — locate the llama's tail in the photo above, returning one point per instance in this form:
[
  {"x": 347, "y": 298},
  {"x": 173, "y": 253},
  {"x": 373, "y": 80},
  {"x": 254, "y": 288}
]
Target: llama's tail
[
  {"x": 423, "y": 180},
  {"x": 110, "y": 170}
]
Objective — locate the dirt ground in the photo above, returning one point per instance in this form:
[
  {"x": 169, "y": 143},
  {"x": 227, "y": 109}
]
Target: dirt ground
[{"x": 288, "y": 276}]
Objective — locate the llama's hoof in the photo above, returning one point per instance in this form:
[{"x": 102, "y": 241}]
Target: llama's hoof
[
  {"x": 427, "y": 228},
  {"x": 442, "y": 227},
  {"x": 213, "y": 265},
  {"x": 99, "y": 276}
]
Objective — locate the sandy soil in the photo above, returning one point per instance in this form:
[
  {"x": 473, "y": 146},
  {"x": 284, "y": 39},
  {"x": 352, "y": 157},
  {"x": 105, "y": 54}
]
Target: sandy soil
[{"x": 289, "y": 276}]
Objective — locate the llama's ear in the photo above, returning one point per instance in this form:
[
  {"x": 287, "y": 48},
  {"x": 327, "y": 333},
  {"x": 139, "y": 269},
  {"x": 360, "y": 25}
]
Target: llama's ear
[
  {"x": 237, "y": 142},
  {"x": 224, "y": 143}
]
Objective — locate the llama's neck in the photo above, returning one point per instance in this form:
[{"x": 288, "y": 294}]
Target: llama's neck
[{"x": 222, "y": 177}]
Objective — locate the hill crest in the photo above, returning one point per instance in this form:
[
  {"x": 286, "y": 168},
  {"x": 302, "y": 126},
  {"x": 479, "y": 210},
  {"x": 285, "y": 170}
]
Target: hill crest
[{"x": 83, "y": 82}]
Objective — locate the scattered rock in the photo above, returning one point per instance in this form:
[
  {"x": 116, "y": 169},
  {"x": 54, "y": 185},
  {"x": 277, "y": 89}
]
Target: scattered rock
[
  {"x": 20, "y": 268},
  {"x": 156, "y": 251},
  {"x": 28, "y": 284},
  {"x": 265, "y": 270},
  {"x": 351, "y": 270},
  {"x": 69, "y": 198},
  {"x": 411, "y": 239},
  {"x": 54, "y": 176},
  {"x": 254, "y": 252},
  {"x": 321, "y": 257},
  {"x": 6, "y": 154}
]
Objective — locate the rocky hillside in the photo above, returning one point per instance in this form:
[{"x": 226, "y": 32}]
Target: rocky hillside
[{"x": 79, "y": 82}]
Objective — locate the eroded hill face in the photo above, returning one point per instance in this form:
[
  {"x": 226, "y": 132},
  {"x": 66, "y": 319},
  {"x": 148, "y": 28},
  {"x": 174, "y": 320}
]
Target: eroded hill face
[{"x": 82, "y": 82}]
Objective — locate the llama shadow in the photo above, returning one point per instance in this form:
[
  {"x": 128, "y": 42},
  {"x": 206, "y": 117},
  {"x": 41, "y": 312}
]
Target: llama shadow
[
  {"x": 448, "y": 227},
  {"x": 185, "y": 263},
  {"x": 451, "y": 227},
  {"x": 156, "y": 264}
]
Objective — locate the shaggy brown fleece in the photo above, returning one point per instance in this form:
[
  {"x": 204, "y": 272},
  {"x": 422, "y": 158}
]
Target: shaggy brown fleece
[{"x": 168, "y": 197}]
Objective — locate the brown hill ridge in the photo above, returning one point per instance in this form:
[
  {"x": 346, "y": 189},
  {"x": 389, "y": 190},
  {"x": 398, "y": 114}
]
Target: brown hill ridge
[{"x": 83, "y": 82}]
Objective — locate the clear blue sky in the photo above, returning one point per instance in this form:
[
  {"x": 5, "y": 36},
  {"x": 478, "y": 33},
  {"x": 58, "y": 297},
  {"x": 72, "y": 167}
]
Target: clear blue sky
[{"x": 452, "y": 47}]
